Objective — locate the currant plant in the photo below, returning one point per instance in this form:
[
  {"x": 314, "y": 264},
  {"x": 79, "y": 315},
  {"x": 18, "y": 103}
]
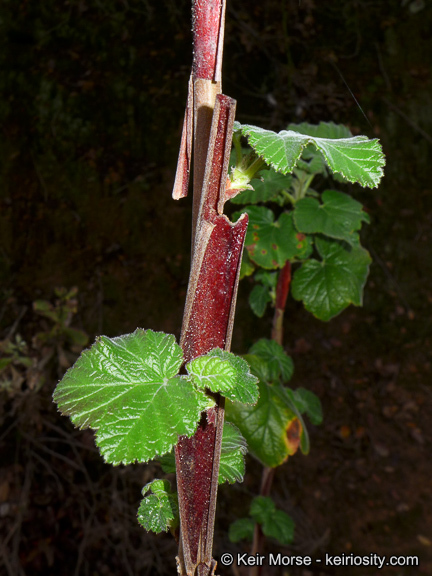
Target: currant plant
[
  {"x": 132, "y": 390},
  {"x": 317, "y": 231},
  {"x": 319, "y": 234}
]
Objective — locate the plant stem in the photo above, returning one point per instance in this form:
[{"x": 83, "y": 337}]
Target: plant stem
[
  {"x": 207, "y": 324},
  {"x": 282, "y": 290},
  {"x": 258, "y": 537}
]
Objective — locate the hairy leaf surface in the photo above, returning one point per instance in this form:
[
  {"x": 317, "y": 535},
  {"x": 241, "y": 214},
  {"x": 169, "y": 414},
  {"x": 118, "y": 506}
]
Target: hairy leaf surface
[
  {"x": 223, "y": 372},
  {"x": 158, "y": 510},
  {"x": 126, "y": 388},
  {"x": 357, "y": 159},
  {"x": 232, "y": 460}
]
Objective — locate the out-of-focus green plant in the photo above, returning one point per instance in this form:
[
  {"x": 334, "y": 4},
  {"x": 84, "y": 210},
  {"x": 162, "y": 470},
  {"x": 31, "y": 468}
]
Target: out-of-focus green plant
[{"x": 60, "y": 314}]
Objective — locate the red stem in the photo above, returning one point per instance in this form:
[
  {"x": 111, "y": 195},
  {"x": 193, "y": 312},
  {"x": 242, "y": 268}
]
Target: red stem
[
  {"x": 207, "y": 324},
  {"x": 208, "y": 28},
  {"x": 282, "y": 290}
]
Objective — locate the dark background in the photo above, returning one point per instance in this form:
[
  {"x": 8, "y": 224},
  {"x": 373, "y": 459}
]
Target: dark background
[{"x": 91, "y": 105}]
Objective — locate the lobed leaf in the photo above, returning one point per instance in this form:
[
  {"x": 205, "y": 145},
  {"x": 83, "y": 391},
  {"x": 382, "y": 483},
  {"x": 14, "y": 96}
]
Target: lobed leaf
[
  {"x": 338, "y": 216},
  {"x": 274, "y": 523},
  {"x": 126, "y": 388},
  {"x": 158, "y": 510},
  {"x": 357, "y": 159},
  {"x": 328, "y": 286},
  {"x": 272, "y": 429},
  {"x": 280, "y": 365},
  {"x": 270, "y": 244},
  {"x": 223, "y": 372}
]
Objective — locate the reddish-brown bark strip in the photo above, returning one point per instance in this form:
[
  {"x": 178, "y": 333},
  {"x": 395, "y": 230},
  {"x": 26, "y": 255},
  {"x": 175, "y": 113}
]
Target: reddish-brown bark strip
[
  {"x": 181, "y": 182},
  {"x": 207, "y": 324},
  {"x": 208, "y": 28}
]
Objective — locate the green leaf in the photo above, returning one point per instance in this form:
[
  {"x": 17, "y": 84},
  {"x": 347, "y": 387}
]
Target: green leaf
[
  {"x": 167, "y": 462},
  {"x": 274, "y": 523},
  {"x": 308, "y": 403},
  {"x": 45, "y": 308},
  {"x": 232, "y": 464},
  {"x": 270, "y": 244},
  {"x": 339, "y": 216},
  {"x": 267, "y": 278},
  {"x": 158, "y": 510},
  {"x": 4, "y": 363},
  {"x": 126, "y": 388},
  {"x": 241, "y": 529},
  {"x": 247, "y": 266},
  {"x": 264, "y": 189},
  {"x": 234, "y": 449},
  {"x": 322, "y": 130},
  {"x": 280, "y": 365},
  {"x": 311, "y": 162},
  {"x": 327, "y": 287},
  {"x": 271, "y": 428},
  {"x": 223, "y": 372},
  {"x": 258, "y": 299},
  {"x": 358, "y": 159},
  {"x": 258, "y": 367}
]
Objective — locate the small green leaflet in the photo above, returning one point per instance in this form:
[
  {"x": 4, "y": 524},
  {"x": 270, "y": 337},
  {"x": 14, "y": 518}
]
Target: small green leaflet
[
  {"x": 263, "y": 292},
  {"x": 280, "y": 365},
  {"x": 339, "y": 216},
  {"x": 232, "y": 462},
  {"x": 357, "y": 159},
  {"x": 128, "y": 390},
  {"x": 158, "y": 510},
  {"x": 327, "y": 287},
  {"x": 270, "y": 244},
  {"x": 241, "y": 529},
  {"x": 264, "y": 189},
  {"x": 247, "y": 267},
  {"x": 223, "y": 372},
  {"x": 258, "y": 299},
  {"x": 274, "y": 523}
]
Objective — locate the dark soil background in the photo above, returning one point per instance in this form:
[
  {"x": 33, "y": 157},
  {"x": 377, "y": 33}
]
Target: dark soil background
[{"x": 91, "y": 105}]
